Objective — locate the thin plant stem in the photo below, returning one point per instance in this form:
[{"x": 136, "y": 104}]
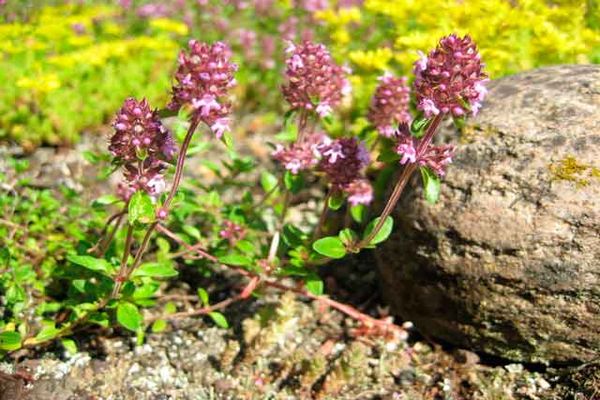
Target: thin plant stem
[
  {"x": 123, "y": 268},
  {"x": 409, "y": 169},
  {"x": 115, "y": 217},
  {"x": 181, "y": 161},
  {"x": 108, "y": 240},
  {"x": 323, "y": 215}
]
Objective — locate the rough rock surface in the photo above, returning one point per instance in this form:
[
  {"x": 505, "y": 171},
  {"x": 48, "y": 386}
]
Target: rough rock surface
[{"x": 508, "y": 261}]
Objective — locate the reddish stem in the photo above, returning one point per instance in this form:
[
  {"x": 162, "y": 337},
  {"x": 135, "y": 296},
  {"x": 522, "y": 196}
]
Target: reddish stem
[
  {"x": 409, "y": 169},
  {"x": 350, "y": 311}
]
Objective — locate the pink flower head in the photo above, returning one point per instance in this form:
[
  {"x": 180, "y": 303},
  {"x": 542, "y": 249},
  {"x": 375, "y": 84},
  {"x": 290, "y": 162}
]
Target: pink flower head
[
  {"x": 359, "y": 191},
  {"x": 437, "y": 158},
  {"x": 450, "y": 79},
  {"x": 343, "y": 160},
  {"x": 312, "y": 5},
  {"x": 232, "y": 232},
  {"x": 407, "y": 149},
  {"x": 154, "y": 10},
  {"x": 139, "y": 133},
  {"x": 203, "y": 79},
  {"x": 315, "y": 81},
  {"x": 389, "y": 105},
  {"x": 142, "y": 146},
  {"x": 146, "y": 176},
  {"x": 301, "y": 156},
  {"x": 411, "y": 150}
]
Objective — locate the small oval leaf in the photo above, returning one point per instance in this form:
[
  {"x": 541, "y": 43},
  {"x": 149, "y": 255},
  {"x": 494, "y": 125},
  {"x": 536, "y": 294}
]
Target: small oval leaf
[
  {"x": 384, "y": 232},
  {"x": 128, "y": 316},
  {"x": 330, "y": 246}
]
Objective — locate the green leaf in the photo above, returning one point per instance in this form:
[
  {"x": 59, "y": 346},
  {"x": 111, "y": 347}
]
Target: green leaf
[
  {"x": 69, "y": 345},
  {"x": 336, "y": 200},
  {"x": 10, "y": 341},
  {"x": 236, "y": 260},
  {"x": 170, "y": 308},
  {"x": 314, "y": 285},
  {"x": 268, "y": 181},
  {"x": 141, "y": 209},
  {"x": 348, "y": 236},
  {"x": 219, "y": 319},
  {"x": 227, "y": 139},
  {"x": 384, "y": 232},
  {"x": 159, "y": 325},
  {"x": 293, "y": 236},
  {"x": 92, "y": 263},
  {"x": 431, "y": 185},
  {"x": 330, "y": 246},
  {"x": 99, "y": 318},
  {"x": 128, "y": 316},
  {"x": 388, "y": 155},
  {"x": 293, "y": 182},
  {"x": 289, "y": 131},
  {"x": 48, "y": 332},
  {"x": 4, "y": 256},
  {"x": 156, "y": 270},
  {"x": 418, "y": 126},
  {"x": 192, "y": 231},
  {"x": 203, "y": 295},
  {"x": 358, "y": 213},
  {"x": 105, "y": 200},
  {"x": 246, "y": 246}
]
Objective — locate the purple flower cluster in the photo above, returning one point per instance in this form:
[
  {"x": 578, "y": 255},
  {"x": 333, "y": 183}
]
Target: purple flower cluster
[
  {"x": 412, "y": 150},
  {"x": 389, "y": 105},
  {"x": 203, "y": 78},
  {"x": 315, "y": 81},
  {"x": 232, "y": 232},
  {"x": 343, "y": 161},
  {"x": 450, "y": 79},
  {"x": 302, "y": 155},
  {"x": 142, "y": 146}
]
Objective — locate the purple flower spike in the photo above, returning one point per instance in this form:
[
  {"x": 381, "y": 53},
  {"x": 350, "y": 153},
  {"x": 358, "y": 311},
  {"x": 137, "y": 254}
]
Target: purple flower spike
[
  {"x": 450, "y": 80},
  {"x": 315, "y": 81},
  {"x": 142, "y": 146},
  {"x": 343, "y": 160},
  {"x": 138, "y": 131},
  {"x": 389, "y": 105},
  {"x": 203, "y": 80}
]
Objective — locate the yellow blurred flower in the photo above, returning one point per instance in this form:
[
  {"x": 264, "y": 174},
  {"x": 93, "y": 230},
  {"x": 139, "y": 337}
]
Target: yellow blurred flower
[
  {"x": 40, "y": 84},
  {"x": 372, "y": 60},
  {"x": 170, "y": 26}
]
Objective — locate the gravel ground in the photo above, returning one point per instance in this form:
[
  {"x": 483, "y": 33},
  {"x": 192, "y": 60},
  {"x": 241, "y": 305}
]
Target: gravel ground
[{"x": 279, "y": 348}]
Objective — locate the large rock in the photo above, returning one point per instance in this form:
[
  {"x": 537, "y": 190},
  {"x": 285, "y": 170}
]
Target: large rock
[{"x": 508, "y": 261}]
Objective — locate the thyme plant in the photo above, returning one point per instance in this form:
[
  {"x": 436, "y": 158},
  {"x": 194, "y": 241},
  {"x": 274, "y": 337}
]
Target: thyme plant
[{"x": 236, "y": 224}]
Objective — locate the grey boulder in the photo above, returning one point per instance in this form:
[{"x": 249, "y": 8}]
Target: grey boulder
[{"x": 508, "y": 261}]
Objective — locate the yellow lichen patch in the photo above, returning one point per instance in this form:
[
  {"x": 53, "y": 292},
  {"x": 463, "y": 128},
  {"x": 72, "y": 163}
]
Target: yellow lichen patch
[{"x": 569, "y": 169}]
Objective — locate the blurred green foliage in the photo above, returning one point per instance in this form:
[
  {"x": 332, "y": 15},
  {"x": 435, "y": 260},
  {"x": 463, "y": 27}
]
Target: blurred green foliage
[{"x": 69, "y": 67}]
